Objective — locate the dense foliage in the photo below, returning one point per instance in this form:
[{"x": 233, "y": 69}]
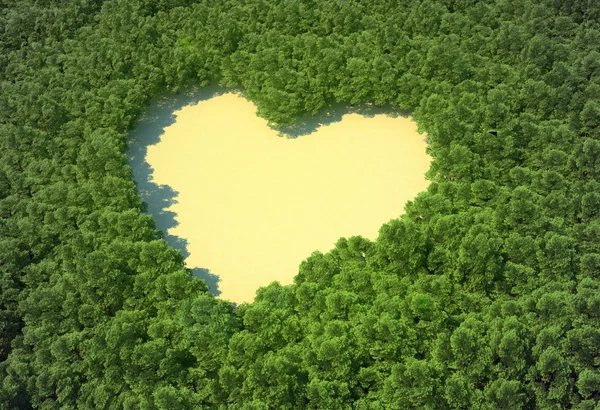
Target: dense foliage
[{"x": 484, "y": 295}]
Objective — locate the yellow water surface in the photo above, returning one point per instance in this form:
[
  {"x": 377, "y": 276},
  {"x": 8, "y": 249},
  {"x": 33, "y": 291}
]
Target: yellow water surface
[{"x": 252, "y": 205}]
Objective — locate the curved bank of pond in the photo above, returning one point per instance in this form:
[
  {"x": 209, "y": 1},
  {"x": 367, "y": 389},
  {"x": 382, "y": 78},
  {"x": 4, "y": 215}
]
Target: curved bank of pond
[{"x": 246, "y": 206}]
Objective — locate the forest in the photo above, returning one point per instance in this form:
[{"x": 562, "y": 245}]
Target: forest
[{"x": 484, "y": 294}]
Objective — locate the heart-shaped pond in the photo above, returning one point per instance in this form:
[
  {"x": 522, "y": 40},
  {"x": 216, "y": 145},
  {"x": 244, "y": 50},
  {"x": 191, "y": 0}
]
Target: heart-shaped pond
[{"x": 247, "y": 205}]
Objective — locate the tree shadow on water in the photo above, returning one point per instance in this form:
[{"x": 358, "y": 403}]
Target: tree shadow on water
[
  {"x": 211, "y": 280},
  {"x": 307, "y": 124},
  {"x": 158, "y": 198}
]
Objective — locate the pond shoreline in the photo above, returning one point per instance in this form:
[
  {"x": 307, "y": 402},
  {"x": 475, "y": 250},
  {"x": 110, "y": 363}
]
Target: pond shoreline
[{"x": 175, "y": 156}]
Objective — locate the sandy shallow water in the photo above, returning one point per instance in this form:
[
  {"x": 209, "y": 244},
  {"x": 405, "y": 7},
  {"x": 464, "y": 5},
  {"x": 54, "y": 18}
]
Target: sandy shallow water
[{"x": 252, "y": 205}]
